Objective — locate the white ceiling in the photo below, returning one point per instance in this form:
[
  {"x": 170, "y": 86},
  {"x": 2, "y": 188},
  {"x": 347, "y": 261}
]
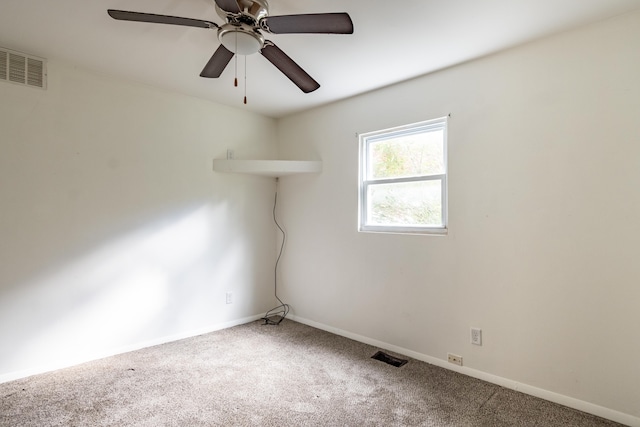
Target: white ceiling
[{"x": 393, "y": 41}]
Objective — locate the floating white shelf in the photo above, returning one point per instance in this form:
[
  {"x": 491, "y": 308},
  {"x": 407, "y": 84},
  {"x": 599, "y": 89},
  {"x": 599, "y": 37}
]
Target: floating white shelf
[{"x": 273, "y": 168}]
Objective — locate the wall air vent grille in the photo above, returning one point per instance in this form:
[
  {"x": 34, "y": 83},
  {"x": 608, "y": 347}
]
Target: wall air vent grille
[
  {"x": 4, "y": 61},
  {"x": 20, "y": 68},
  {"x": 35, "y": 72}
]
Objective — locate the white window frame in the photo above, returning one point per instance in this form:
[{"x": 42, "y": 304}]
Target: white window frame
[{"x": 364, "y": 140}]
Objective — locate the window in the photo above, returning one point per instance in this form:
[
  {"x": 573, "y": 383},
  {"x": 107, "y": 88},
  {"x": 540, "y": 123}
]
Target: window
[{"x": 403, "y": 179}]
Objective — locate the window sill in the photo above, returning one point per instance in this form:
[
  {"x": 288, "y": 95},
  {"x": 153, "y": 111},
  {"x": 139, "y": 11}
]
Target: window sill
[{"x": 399, "y": 230}]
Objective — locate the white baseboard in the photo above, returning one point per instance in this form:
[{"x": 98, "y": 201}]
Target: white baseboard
[
  {"x": 570, "y": 402},
  {"x": 11, "y": 376}
]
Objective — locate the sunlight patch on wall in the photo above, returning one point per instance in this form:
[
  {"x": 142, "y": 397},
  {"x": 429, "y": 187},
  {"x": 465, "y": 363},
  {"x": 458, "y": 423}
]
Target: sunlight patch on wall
[{"x": 113, "y": 294}]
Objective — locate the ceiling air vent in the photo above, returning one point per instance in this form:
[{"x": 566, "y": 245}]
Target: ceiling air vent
[{"x": 20, "y": 68}]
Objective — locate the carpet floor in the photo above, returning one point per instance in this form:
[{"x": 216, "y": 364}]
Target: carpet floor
[{"x": 257, "y": 375}]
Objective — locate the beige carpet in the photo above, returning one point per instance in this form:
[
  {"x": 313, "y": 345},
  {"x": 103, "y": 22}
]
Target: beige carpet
[{"x": 256, "y": 375}]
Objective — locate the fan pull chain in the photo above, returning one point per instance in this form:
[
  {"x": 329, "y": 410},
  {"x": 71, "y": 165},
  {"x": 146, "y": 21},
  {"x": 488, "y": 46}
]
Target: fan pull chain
[
  {"x": 245, "y": 79},
  {"x": 235, "y": 61}
]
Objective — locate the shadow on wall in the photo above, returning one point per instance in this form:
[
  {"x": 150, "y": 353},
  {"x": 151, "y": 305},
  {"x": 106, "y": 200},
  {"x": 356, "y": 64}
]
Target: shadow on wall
[{"x": 152, "y": 282}]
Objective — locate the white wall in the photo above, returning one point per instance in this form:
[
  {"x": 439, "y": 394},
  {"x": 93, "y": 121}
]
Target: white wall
[
  {"x": 114, "y": 229},
  {"x": 544, "y": 210}
]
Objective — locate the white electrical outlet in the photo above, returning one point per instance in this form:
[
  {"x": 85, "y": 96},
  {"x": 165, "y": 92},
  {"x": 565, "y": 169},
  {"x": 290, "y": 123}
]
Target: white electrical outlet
[
  {"x": 229, "y": 297},
  {"x": 230, "y": 154},
  {"x": 455, "y": 359},
  {"x": 476, "y": 336}
]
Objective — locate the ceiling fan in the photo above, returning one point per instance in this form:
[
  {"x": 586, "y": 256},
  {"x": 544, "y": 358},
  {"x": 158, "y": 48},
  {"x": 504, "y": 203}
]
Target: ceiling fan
[{"x": 246, "y": 20}]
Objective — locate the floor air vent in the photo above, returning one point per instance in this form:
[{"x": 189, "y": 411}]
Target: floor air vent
[
  {"x": 386, "y": 358},
  {"x": 23, "y": 69}
]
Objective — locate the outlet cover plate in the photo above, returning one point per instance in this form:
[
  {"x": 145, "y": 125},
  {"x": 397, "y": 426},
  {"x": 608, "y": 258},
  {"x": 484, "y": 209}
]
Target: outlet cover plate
[{"x": 476, "y": 336}]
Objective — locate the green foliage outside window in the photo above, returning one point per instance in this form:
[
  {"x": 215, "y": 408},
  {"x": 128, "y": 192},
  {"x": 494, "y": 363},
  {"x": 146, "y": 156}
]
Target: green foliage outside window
[
  {"x": 412, "y": 203},
  {"x": 410, "y": 155}
]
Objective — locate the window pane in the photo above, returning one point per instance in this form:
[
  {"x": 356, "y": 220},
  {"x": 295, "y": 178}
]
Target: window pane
[
  {"x": 405, "y": 204},
  {"x": 412, "y": 154}
]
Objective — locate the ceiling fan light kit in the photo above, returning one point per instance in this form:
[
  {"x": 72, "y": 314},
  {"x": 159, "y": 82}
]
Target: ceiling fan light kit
[
  {"x": 240, "y": 39},
  {"x": 241, "y": 34}
]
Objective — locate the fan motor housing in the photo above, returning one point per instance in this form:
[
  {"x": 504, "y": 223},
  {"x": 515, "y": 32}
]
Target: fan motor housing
[
  {"x": 255, "y": 10},
  {"x": 240, "y": 34}
]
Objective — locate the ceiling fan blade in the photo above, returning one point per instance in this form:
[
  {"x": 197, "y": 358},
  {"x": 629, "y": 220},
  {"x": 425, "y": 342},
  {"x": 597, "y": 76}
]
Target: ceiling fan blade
[
  {"x": 217, "y": 63},
  {"x": 289, "y": 68},
  {"x": 124, "y": 15},
  {"x": 229, "y": 6},
  {"x": 317, "y": 23}
]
